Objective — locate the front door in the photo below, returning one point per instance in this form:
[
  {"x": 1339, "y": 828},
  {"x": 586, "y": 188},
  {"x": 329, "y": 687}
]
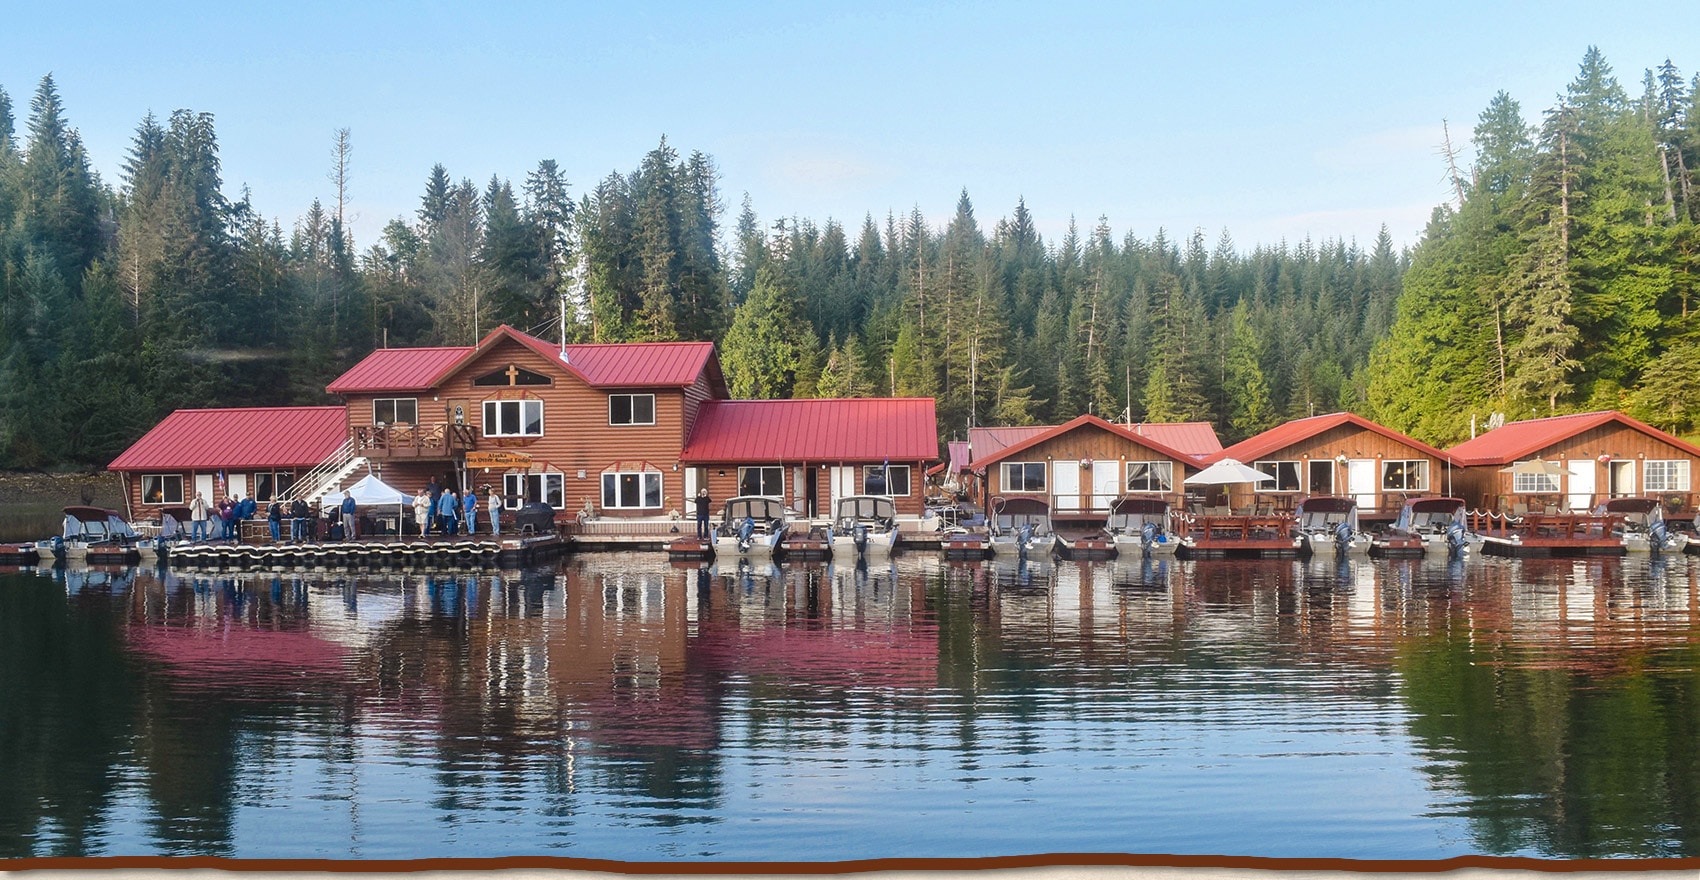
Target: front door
[
  {"x": 1065, "y": 486},
  {"x": 1106, "y": 484},
  {"x": 1360, "y": 481},
  {"x": 238, "y": 485},
  {"x": 1623, "y": 479},
  {"x": 1581, "y": 489},
  {"x": 843, "y": 485},
  {"x": 811, "y": 498},
  {"x": 205, "y": 484}
]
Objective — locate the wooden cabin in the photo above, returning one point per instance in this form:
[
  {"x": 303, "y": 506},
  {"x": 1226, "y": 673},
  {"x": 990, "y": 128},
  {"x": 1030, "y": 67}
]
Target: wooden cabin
[
  {"x": 810, "y": 453},
  {"x": 1338, "y": 454},
  {"x": 1080, "y": 468},
  {"x": 244, "y": 452},
  {"x": 1592, "y": 457}
]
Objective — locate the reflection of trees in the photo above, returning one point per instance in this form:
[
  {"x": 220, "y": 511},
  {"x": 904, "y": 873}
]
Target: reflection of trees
[{"x": 1566, "y": 714}]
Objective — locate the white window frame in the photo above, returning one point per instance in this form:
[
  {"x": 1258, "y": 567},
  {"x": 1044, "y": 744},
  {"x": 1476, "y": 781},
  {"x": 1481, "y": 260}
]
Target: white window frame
[
  {"x": 164, "y": 481},
  {"x": 493, "y": 417},
  {"x": 271, "y": 480},
  {"x": 1533, "y": 484},
  {"x": 648, "y": 488},
  {"x": 395, "y": 418},
  {"x": 761, "y": 480},
  {"x": 868, "y": 471},
  {"x": 1673, "y": 475},
  {"x": 1326, "y": 466},
  {"x": 1025, "y": 469},
  {"x": 548, "y": 483},
  {"x": 1419, "y": 464},
  {"x": 1161, "y": 471},
  {"x": 631, "y": 401},
  {"x": 1274, "y": 467}
]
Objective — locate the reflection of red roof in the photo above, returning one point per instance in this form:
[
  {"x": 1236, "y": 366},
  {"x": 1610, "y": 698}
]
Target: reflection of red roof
[
  {"x": 622, "y": 365},
  {"x": 1150, "y": 443},
  {"x": 236, "y": 655},
  {"x": 832, "y": 658},
  {"x": 254, "y": 437},
  {"x": 1299, "y": 430},
  {"x": 858, "y": 429},
  {"x": 1521, "y": 439}
]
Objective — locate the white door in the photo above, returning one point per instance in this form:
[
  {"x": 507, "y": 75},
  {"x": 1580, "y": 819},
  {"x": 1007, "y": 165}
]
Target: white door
[
  {"x": 1581, "y": 489},
  {"x": 843, "y": 485},
  {"x": 1065, "y": 486},
  {"x": 1106, "y": 484},
  {"x": 1623, "y": 479},
  {"x": 204, "y": 484},
  {"x": 239, "y": 485},
  {"x": 1360, "y": 481}
]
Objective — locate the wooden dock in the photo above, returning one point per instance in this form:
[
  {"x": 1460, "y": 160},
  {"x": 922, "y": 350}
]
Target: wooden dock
[
  {"x": 1556, "y": 534},
  {"x": 1261, "y": 537}
]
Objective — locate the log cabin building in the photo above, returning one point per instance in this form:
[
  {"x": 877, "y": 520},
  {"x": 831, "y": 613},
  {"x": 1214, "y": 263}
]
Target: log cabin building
[
  {"x": 1338, "y": 454},
  {"x": 1596, "y": 456},
  {"x": 1081, "y": 467}
]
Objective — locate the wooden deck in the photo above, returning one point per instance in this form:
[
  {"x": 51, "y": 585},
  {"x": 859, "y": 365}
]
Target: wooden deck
[
  {"x": 1555, "y": 534},
  {"x": 1257, "y": 536}
]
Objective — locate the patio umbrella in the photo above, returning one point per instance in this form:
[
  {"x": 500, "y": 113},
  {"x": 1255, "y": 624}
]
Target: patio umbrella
[
  {"x": 1228, "y": 471},
  {"x": 1536, "y": 466}
]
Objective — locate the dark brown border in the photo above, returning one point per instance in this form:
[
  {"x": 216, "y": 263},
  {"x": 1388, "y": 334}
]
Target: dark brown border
[{"x": 1052, "y": 860}]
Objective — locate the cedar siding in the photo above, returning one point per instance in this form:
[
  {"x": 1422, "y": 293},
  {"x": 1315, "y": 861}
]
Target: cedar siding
[
  {"x": 1075, "y": 451},
  {"x": 1329, "y": 451},
  {"x": 1577, "y": 444}
]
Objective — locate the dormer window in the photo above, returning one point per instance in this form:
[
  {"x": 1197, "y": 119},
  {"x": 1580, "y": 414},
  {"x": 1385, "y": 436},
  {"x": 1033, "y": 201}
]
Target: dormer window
[
  {"x": 511, "y": 375},
  {"x": 631, "y": 409}
]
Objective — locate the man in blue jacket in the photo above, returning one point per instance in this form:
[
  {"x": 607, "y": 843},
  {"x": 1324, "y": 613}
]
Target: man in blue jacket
[{"x": 348, "y": 509}]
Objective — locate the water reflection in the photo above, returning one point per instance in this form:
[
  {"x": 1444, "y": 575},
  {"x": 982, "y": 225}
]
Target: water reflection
[{"x": 623, "y": 707}]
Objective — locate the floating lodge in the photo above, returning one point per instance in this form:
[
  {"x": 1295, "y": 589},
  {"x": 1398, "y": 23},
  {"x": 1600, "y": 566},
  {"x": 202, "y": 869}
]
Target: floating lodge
[{"x": 613, "y": 442}]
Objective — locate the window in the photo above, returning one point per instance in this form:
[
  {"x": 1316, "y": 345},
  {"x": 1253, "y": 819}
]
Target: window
[
  {"x": 162, "y": 488},
  {"x": 521, "y": 489},
  {"x": 1405, "y": 476},
  {"x": 1286, "y": 474},
  {"x": 1667, "y": 476},
  {"x": 513, "y": 418},
  {"x": 1527, "y": 484},
  {"x": 887, "y": 479},
  {"x": 394, "y": 411},
  {"x": 1150, "y": 476},
  {"x": 511, "y": 375},
  {"x": 269, "y": 485},
  {"x": 1322, "y": 476},
  {"x": 1024, "y": 476},
  {"x": 631, "y": 490},
  {"x": 761, "y": 481},
  {"x": 631, "y": 409}
]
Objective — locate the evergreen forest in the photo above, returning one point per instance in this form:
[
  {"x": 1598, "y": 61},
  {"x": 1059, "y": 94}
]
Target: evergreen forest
[{"x": 1558, "y": 278}]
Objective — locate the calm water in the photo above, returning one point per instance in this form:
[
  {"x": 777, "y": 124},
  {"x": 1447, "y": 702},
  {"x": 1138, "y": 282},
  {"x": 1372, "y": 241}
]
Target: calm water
[{"x": 619, "y": 707}]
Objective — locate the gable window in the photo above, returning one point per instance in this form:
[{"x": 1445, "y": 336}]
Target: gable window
[
  {"x": 631, "y": 409},
  {"x": 521, "y": 489},
  {"x": 1024, "y": 476},
  {"x": 396, "y": 410},
  {"x": 1667, "y": 476},
  {"x": 1150, "y": 476},
  {"x": 889, "y": 479},
  {"x": 1286, "y": 474},
  {"x": 513, "y": 418},
  {"x": 162, "y": 488},
  {"x": 761, "y": 481},
  {"x": 1406, "y": 476},
  {"x": 627, "y": 490},
  {"x": 511, "y": 375}
]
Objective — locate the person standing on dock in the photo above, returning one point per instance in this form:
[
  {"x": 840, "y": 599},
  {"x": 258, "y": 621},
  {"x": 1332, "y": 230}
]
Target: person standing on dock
[
  {"x": 495, "y": 510},
  {"x": 436, "y": 490},
  {"x": 198, "y": 518},
  {"x": 299, "y": 519},
  {"x": 470, "y": 505},
  {"x": 348, "y": 510},
  {"x": 703, "y": 504},
  {"x": 226, "y": 518},
  {"x": 445, "y": 512},
  {"x": 422, "y": 511},
  {"x": 274, "y": 518}
]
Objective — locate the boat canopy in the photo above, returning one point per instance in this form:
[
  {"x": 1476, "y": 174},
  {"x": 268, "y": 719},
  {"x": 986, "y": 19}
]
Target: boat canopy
[
  {"x": 1009, "y": 514},
  {"x": 96, "y": 524},
  {"x": 867, "y": 508},
  {"x": 1640, "y": 511},
  {"x": 1430, "y": 511},
  {"x": 760, "y": 508},
  {"x": 1327, "y": 511},
  {"x": 1128, "y": 505}
]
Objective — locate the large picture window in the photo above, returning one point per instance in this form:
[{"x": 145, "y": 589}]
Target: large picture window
[
  {"x": 1024, "y": 476},
  {"x": 631, "y": 409},
  {"x": 888, "y": 479},
  {"x": 1405, "y": 476},
  {"x": 270, "y": 484},
  {"x": 1150, "y": 476},
  {"x": 761, "y": 481},
  {"x": 1534, "y": 484},
  {"x": 395, "y": 411},
  {"x": 162, "y": 488},
  {"x": 1286, "y": 474},
  {"x": 513, "y": 418},
  {"x": 1667, "y": 476},
  {"x": 521, "y": 489},
  {"x": 628, "y": 490}
]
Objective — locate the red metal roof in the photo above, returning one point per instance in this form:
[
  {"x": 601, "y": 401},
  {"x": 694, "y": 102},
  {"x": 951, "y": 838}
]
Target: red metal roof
[
  {"x": 1197, "y": 439},
  {"x": 859, "y": 429},
  {"x": 235, "y": 439},
  {"x": 985, "y": 442},
  {"x": 980, "y": 461},
  {"x": 1517, "y": 440},
  {"x": 605, "y": 365},
  {"x": 1299, "y": 430}
]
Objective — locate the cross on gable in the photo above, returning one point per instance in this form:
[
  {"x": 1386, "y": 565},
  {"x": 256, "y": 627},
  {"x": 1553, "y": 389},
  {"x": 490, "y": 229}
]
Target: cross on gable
[{"x": 513, "y": 375}]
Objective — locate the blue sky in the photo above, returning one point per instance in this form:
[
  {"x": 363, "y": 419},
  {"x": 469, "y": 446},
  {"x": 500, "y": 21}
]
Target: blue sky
[{"x": 1274, "y": 121}]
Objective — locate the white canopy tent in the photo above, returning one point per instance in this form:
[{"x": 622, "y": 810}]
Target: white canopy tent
[{"x": 373, "y": 492}]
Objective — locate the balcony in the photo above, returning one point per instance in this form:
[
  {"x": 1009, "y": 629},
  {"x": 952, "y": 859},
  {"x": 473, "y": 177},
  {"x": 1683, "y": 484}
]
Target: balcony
[{"x": 424, "y": 442}]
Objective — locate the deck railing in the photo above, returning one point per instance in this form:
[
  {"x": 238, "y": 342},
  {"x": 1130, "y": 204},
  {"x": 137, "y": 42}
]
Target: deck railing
[{"x": 414, "y": 441}]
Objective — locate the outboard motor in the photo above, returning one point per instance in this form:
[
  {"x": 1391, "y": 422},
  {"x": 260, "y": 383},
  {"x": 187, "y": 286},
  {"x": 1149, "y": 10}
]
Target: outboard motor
[
  {"x": 746, "y": 533},
  {"x": 1022, "y": 536},
  {"x": 1343, "y": 536},
  {"x": 58, "y": 547},
  {"x": 1456, "y": 537},
  {"x": 1147, "y": 537},
  {"x": 1657, "y": 535},
  {"x": 861, "y": 536}
]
